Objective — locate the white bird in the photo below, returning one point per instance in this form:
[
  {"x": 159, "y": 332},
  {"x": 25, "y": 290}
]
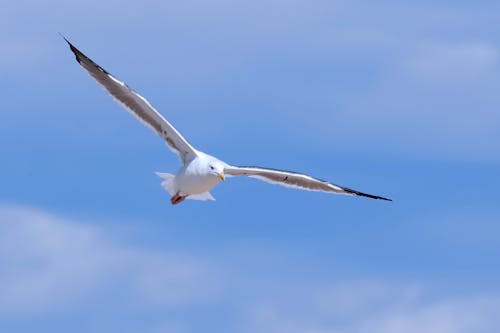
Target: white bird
[{"x": 200, "y": 172}]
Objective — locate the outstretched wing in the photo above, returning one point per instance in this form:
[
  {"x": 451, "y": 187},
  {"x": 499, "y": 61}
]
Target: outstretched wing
[
  {"x": 136, "y": 105},
  {"x": 294, "y": 180}
]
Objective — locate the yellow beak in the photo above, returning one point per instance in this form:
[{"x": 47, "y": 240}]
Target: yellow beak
[{"x": 221, "y": 176}]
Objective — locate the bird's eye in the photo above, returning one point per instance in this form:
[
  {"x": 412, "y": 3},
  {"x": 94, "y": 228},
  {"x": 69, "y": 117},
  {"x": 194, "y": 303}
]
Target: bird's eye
[{"x": 211, "y": 167}]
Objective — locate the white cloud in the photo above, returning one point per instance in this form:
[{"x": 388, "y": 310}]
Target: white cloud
[
  {"x": 379, "y": 308},
  {"x": 474, "y": 314},
  {"x": 51, "y": 264}
]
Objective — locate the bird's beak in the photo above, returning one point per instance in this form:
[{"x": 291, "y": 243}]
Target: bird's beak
[{"x": 221, "y": 176}]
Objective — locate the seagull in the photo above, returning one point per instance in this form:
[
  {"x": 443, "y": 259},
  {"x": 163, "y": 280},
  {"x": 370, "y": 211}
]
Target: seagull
[{"x": 200, "y": 172}]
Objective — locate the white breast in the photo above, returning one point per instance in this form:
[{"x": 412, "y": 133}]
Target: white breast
[{"x": 193, "y": 178}]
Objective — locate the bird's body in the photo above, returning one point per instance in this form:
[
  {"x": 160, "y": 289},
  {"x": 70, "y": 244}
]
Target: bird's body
[
  {"x": 197, "y": 177},
  {"x": 193, "y": 178},
  {"x": 200, "y": 172}
]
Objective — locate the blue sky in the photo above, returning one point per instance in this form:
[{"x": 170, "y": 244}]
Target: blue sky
[{"x": 398, "y": 99}]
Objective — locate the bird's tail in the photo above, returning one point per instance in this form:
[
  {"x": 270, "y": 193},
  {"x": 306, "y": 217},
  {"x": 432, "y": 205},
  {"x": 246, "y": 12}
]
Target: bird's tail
[{"x": 168, "y": 182}]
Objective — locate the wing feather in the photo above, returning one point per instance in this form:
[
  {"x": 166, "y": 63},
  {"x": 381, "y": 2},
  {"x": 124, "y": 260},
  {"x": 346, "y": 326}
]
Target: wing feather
[
  {"x": 137, "y": 106},
  {"x": 294, "y": 180}
]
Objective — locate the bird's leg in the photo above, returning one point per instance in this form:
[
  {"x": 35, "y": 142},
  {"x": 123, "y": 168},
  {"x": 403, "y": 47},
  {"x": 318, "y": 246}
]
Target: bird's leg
[{"x": 177, "y": 199}]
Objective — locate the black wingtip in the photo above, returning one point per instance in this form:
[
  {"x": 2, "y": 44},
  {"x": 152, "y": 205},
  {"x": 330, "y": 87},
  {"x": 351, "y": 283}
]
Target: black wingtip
[
  {"x": 73, "y": 49},
  {"x": 82, "y": 58},
  {"x": 361, "y": 194},
  {"x": 66, "y": 40}
]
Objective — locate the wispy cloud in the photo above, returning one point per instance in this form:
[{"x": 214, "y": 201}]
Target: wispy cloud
[
  {"x": 382, "y": 307},
  {"x": 437, "y": 100},
  {"x": 376, "y": 72},
  {"x": 53, "y": 266},
  {"x": 454, "y": 63}
]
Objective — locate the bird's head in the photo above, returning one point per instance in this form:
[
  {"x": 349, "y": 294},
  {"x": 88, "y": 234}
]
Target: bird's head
[{"x": 216, "y": 168}]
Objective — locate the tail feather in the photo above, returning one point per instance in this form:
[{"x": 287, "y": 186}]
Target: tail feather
[
  {"x": 202, "y": 196},
  {"x": 168, "y": 182}
]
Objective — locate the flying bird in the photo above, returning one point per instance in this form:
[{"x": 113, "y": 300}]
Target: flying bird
[{"x": 200, "y": 172}]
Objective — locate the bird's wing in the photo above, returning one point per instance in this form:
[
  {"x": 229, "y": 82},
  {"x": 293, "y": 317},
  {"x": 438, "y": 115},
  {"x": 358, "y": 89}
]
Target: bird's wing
[
  {"x": 294, "y": 180},
  {"x": 137, "y": 105}
]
